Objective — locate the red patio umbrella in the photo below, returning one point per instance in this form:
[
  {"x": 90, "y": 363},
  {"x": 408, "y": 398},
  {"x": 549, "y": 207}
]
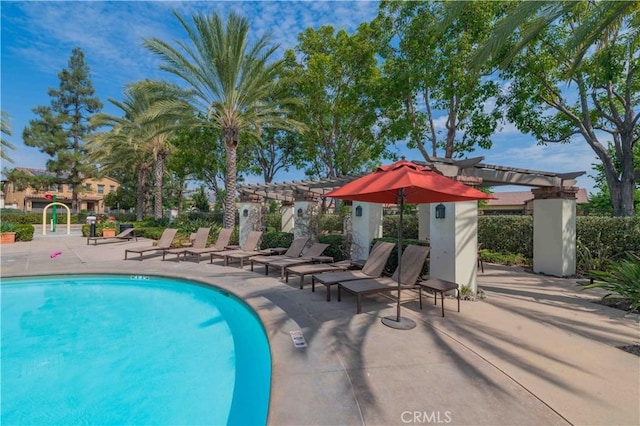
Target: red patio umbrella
[{"x": 405, "y": 182}]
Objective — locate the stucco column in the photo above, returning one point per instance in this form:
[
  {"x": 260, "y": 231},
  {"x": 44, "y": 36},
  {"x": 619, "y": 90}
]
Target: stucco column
[
  {"x": 454, "y": 243},
  {"x": 302, "y": 211},
  {"x": 424, "y": 221},
  {"x": 554, "y": 231},
  {"x": 366, "y": 224},
  {"x": 250, "y": 216},
  {"x": 287, "y": 211}
]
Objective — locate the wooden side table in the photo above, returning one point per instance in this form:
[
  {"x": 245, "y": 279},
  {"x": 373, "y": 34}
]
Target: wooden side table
[{"x": 438, "y": 286}]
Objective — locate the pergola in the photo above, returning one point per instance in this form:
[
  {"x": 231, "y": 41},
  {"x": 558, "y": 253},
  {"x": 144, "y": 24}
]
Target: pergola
[
  {"x": 471, "y": 171},
  {"x": 453, "y": 240}
]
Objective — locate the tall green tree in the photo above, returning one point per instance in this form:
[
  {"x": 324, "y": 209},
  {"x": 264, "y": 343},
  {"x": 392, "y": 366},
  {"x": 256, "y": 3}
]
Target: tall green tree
[
  {"x": 430, "y": 75},
  {"x": 233, "y": 82},
  {"x": 199, "y": 154},
  {"x": 600, "y": 202},
  {"x": 274, "y": 152},
  {"x": 601, "y": 106},
  {"x": 139, "y": 139},
  {"x": 5, "y": 129},
  {"x": 60, "y": 129},
  {"x": 529, "y": 19},
  {"x": 336, "y": 75},
  {"x": 200, "y": 199}
]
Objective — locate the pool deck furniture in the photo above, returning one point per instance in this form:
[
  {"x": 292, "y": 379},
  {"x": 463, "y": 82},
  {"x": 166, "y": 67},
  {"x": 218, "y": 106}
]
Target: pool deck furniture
[
  {"x": 412, "y": 260},
  {"x": 250, "y": 246},
  {"x": 436, "y": 285},
  {"x": 294, "y": 250},
  {"x": 372, "y": 268},
  {"x": 312, "y": 255},
  {"x": 164, "y": 243},
  {"x": 198, "y": 241},
  {"x": 315, "y": 268},
  {"x": 127, "y": 234},
  {"x": 222, "y": 243}
]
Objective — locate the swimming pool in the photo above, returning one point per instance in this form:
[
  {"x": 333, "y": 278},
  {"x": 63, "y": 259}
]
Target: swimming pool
[{"x": 130, "y": 350}]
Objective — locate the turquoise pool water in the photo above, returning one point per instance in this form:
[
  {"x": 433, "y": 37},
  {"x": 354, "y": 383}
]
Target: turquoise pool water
[{"x": 130, "y": 350}]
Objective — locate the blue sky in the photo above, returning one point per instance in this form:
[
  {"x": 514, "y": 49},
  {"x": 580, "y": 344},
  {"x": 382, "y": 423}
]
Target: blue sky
[{"x": 37, "y": 39}]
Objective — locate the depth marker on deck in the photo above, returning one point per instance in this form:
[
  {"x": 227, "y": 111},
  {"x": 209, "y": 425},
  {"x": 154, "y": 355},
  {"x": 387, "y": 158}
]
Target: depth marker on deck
[{"x": 298, "y": 339}]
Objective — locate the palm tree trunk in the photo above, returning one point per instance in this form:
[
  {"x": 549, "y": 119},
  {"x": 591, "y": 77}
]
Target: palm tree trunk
[
  {"x": 231, "y": 148},
  {"x": 159, "y": 169},
  {"x": 140, "y": 191}
]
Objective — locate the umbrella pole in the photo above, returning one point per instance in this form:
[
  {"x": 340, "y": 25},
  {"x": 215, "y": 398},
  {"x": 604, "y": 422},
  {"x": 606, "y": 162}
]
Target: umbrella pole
[{"x": 399, "y": 322}]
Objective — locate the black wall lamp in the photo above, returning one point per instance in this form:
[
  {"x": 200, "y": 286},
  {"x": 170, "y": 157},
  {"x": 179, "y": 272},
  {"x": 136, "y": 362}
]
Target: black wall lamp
[
  {"x": 300, "y": 212},
  {"x": 245, "y": 213},
  {"x": 440, "y": 211},
  {"x": 358, "y": 211}
]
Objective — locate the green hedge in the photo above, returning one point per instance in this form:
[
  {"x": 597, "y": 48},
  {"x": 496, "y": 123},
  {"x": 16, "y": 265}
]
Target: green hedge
[
  {"x": 507, "y": 234},
  {"x": 600, "y": 240},
  {"x": 337, "y": 247},
  {"x": 409, "y": 226},
  {"x": 614, "y": 234},
  {"x": 276, "y": 239},
  {"x": 331, "y": 223},
  {"x": 36, "y": 218}
]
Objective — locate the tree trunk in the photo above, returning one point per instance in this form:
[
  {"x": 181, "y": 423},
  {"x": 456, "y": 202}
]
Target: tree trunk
[
  {"x": 74, "y": 200},
  {"x": 140, "y": 191},
  {"x": 159, "y": 170},
  {"x": 231, "y": 148}
]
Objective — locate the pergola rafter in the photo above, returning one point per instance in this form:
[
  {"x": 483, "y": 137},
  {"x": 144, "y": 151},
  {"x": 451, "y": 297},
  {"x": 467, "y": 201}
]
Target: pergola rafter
[{"x": 486, "y": 174}]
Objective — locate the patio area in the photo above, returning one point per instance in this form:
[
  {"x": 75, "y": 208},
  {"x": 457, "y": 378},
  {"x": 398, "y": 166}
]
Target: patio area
[{"x": 535, "y": 351}]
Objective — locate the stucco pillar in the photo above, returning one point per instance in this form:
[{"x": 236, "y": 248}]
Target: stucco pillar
[
  {"x": 250, "y": 216},
  {"x": 366, "y": 224},
  {"x": 454, "y": 243},
  {"x": 424, "y": 221},
  {"x": 303, "y": 206},
  {"x": 554, "y": 231},
  {"x": 287, "y": 211}
]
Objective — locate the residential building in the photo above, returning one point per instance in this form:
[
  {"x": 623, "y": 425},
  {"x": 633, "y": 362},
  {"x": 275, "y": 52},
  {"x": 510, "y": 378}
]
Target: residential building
[
  {"x": 521, "y": 202},
  {"x": 90, "y": 198}
]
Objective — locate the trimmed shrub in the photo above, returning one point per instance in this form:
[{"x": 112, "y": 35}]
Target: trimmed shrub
[
  {"x": 276, "y": 239},
  {"x": 616, "y": 235},
  {"x": 392, "y": 262},
  {"x": 507, "y": 234},
  {"x": 24, "y": 232},
  {"x": 331, "y": 223},
  {"x": 36, "y": 218},
  {"x": 409, "y": 225},
  {"x": 337, "y": 247}
]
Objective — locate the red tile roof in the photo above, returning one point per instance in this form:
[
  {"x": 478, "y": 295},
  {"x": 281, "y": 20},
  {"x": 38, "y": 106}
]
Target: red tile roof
[{"x": 519, "y": 198}]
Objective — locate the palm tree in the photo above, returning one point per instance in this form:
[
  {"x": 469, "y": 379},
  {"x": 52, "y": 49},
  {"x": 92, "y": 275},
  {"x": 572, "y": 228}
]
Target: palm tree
[
  {"x": 139, "y": 137},
  {"x": 528, "y": 19},
  {"x": 5, "y": 128},
  {"x": 232, "y": 82}
]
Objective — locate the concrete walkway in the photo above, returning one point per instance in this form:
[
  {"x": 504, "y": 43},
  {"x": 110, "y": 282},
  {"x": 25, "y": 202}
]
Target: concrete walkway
[{"x": 535, "y": 351}]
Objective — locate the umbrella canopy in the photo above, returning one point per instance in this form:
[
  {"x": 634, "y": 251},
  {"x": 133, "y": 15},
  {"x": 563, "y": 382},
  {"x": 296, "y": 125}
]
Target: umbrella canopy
[
  {"x": 420, "y": 184},
  {"x": 405, "y": 182}
]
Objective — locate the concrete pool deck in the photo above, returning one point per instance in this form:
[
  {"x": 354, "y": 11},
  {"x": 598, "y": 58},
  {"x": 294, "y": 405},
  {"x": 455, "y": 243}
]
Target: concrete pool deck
[{"x": 535, "y": 351}]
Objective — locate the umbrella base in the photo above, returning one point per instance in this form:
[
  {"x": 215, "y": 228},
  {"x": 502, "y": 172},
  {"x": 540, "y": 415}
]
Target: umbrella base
[{"x": 403, "y": 324}]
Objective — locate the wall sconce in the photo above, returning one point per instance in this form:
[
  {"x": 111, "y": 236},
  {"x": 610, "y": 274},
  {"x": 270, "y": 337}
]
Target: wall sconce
[
  {"x": 245, "y": 213},
  {"x": 440, "y": 211},
  {"x": 300, "y": 212},
  {"x": 359, "y": 211}
]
